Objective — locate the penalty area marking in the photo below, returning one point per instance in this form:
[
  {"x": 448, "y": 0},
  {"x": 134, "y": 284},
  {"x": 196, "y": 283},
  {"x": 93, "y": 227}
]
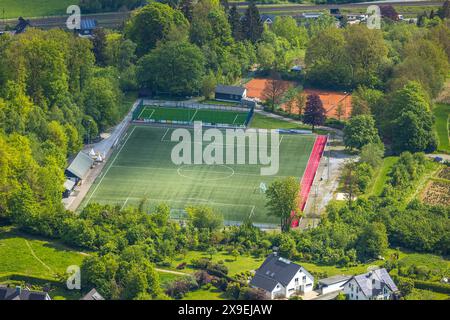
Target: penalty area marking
[
  {"x": 195, "y": 113},
  {"x": 125, "y": 203},
  {"x": 235, "y": 119},
  {"x": 162, "y": 139}
]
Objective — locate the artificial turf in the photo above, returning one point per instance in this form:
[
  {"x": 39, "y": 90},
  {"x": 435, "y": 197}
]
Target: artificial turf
[
  {"x": 167, "y": 114},
  {"x": 141, "y": 168}
]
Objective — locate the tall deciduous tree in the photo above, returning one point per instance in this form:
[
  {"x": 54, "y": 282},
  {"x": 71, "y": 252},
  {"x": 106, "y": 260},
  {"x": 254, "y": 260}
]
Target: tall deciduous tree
[
  {"x": 153, "y": 23},
  {"x": 283, "y": 198},
  {"x": 327, "y": 60},
  {"x": 99, "y": 44},
  {"x": 187, "y": 7},
  {"x": 252, "y": 25},
  {"x": 314, "y": 113},
  {"x": 234, "y": 18},
  {"x": 274, "y": 90},
  {"x": 410, "y": 124},
  {"x": 373, "y": 242},
  {"x": 359, "y": 131},
  {"x": 173, "y": 67}
]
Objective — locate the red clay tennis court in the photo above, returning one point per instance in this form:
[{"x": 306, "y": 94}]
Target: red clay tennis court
[{"x": 330, "y": 99}]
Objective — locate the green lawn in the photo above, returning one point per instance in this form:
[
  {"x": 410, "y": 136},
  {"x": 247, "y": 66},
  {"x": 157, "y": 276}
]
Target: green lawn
[
  {"x": 223, "y": 103},
  {"x": 441, "y": 112},
  {"x": 26, "y": 255},
  {"x": 188, "y": 115},
  {"x": 238, "y": 265},
  {"x": 418, "y": 294},
  {"x": 205, "y": 294},
  {"x": 34, "y": 8},
  {"x": 142, "y": 168},
  {"x": 39, "y": 259},
  {"x": 263, "y": 122},
  {"x": 439, "y": 266},
  {"x": 381, "y": 176}
]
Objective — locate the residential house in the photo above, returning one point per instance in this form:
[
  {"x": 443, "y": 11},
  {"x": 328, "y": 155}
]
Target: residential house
[
  {"x": 373, "y": 285},
  {"x": 267, "y": 19},
  {"x": 282, "y": 278},
  {"x": 230, "y": 93},
  {"x": 93, "y": 295},
  {"x": 332, "y": 284},
  {"x": 87, "y": 27},
  {"x": 17, "y": 293}
]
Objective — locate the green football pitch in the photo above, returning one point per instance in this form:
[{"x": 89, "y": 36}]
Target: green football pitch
[
  {"x": 160, "y": 114},
  {"x": 141, "y": 168}
]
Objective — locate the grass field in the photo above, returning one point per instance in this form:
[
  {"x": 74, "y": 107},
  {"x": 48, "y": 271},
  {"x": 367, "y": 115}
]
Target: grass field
[
  {"x": 142, "y": 168},
  {"x": 163, "y": 114},
  {"x": 26, "y": 255},
  {"x": 441, "y": 112},
  {"x": 263, "y": 122},
  {"x": 381, "y": 176},
  {"x": 34, "y": 8}
]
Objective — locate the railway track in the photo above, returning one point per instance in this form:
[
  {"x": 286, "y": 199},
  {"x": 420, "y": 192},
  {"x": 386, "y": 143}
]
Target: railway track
[{"x": 117, "y": 19}]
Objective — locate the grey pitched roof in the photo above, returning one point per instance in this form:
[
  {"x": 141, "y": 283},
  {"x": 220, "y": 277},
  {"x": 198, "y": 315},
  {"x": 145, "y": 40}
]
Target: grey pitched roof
[
  {"x": 93, "y": 295},
  {"x": 7, "y": 293},
  {"x": 381, "y": 275},
  {"x": 263, "y": 282},
  {"x": 275, "y": 270},
  {"x": 80, "y": 165},
  {"x": 264, "y": 17},
  {"x": 334, "y": 279},
  {"x": 230, "y": 90}
]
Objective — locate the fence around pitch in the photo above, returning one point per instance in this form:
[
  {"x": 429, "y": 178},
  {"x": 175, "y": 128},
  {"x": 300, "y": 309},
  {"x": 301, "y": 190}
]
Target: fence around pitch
[{"x": 176, "y": 104}]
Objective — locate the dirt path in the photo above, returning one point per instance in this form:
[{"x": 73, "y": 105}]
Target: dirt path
[
  {"x": 173, "y": 272},
  {"x": 37, "y": 258}
]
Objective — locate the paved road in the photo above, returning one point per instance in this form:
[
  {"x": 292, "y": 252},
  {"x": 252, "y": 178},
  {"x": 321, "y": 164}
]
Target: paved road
[{"x": 117, "y": 19}]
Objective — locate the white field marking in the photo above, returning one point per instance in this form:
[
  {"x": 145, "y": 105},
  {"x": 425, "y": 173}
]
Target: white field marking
[
  {"x": 112, "y": 162},
  {"x": 195, "y": 113},
  {"x": 180, "y": 169},
  {"x": 173, "y": 169},
  {"x": 192, "y": 199},
  {"x": 142, "y": 111},
  {"x": 162, "y": 139},
  {"x": 125, "y": 203},
  {"x": 151, "y": 114},
  {"x": 235, "y": 119},
  {"x": 251, "y": 212}
]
